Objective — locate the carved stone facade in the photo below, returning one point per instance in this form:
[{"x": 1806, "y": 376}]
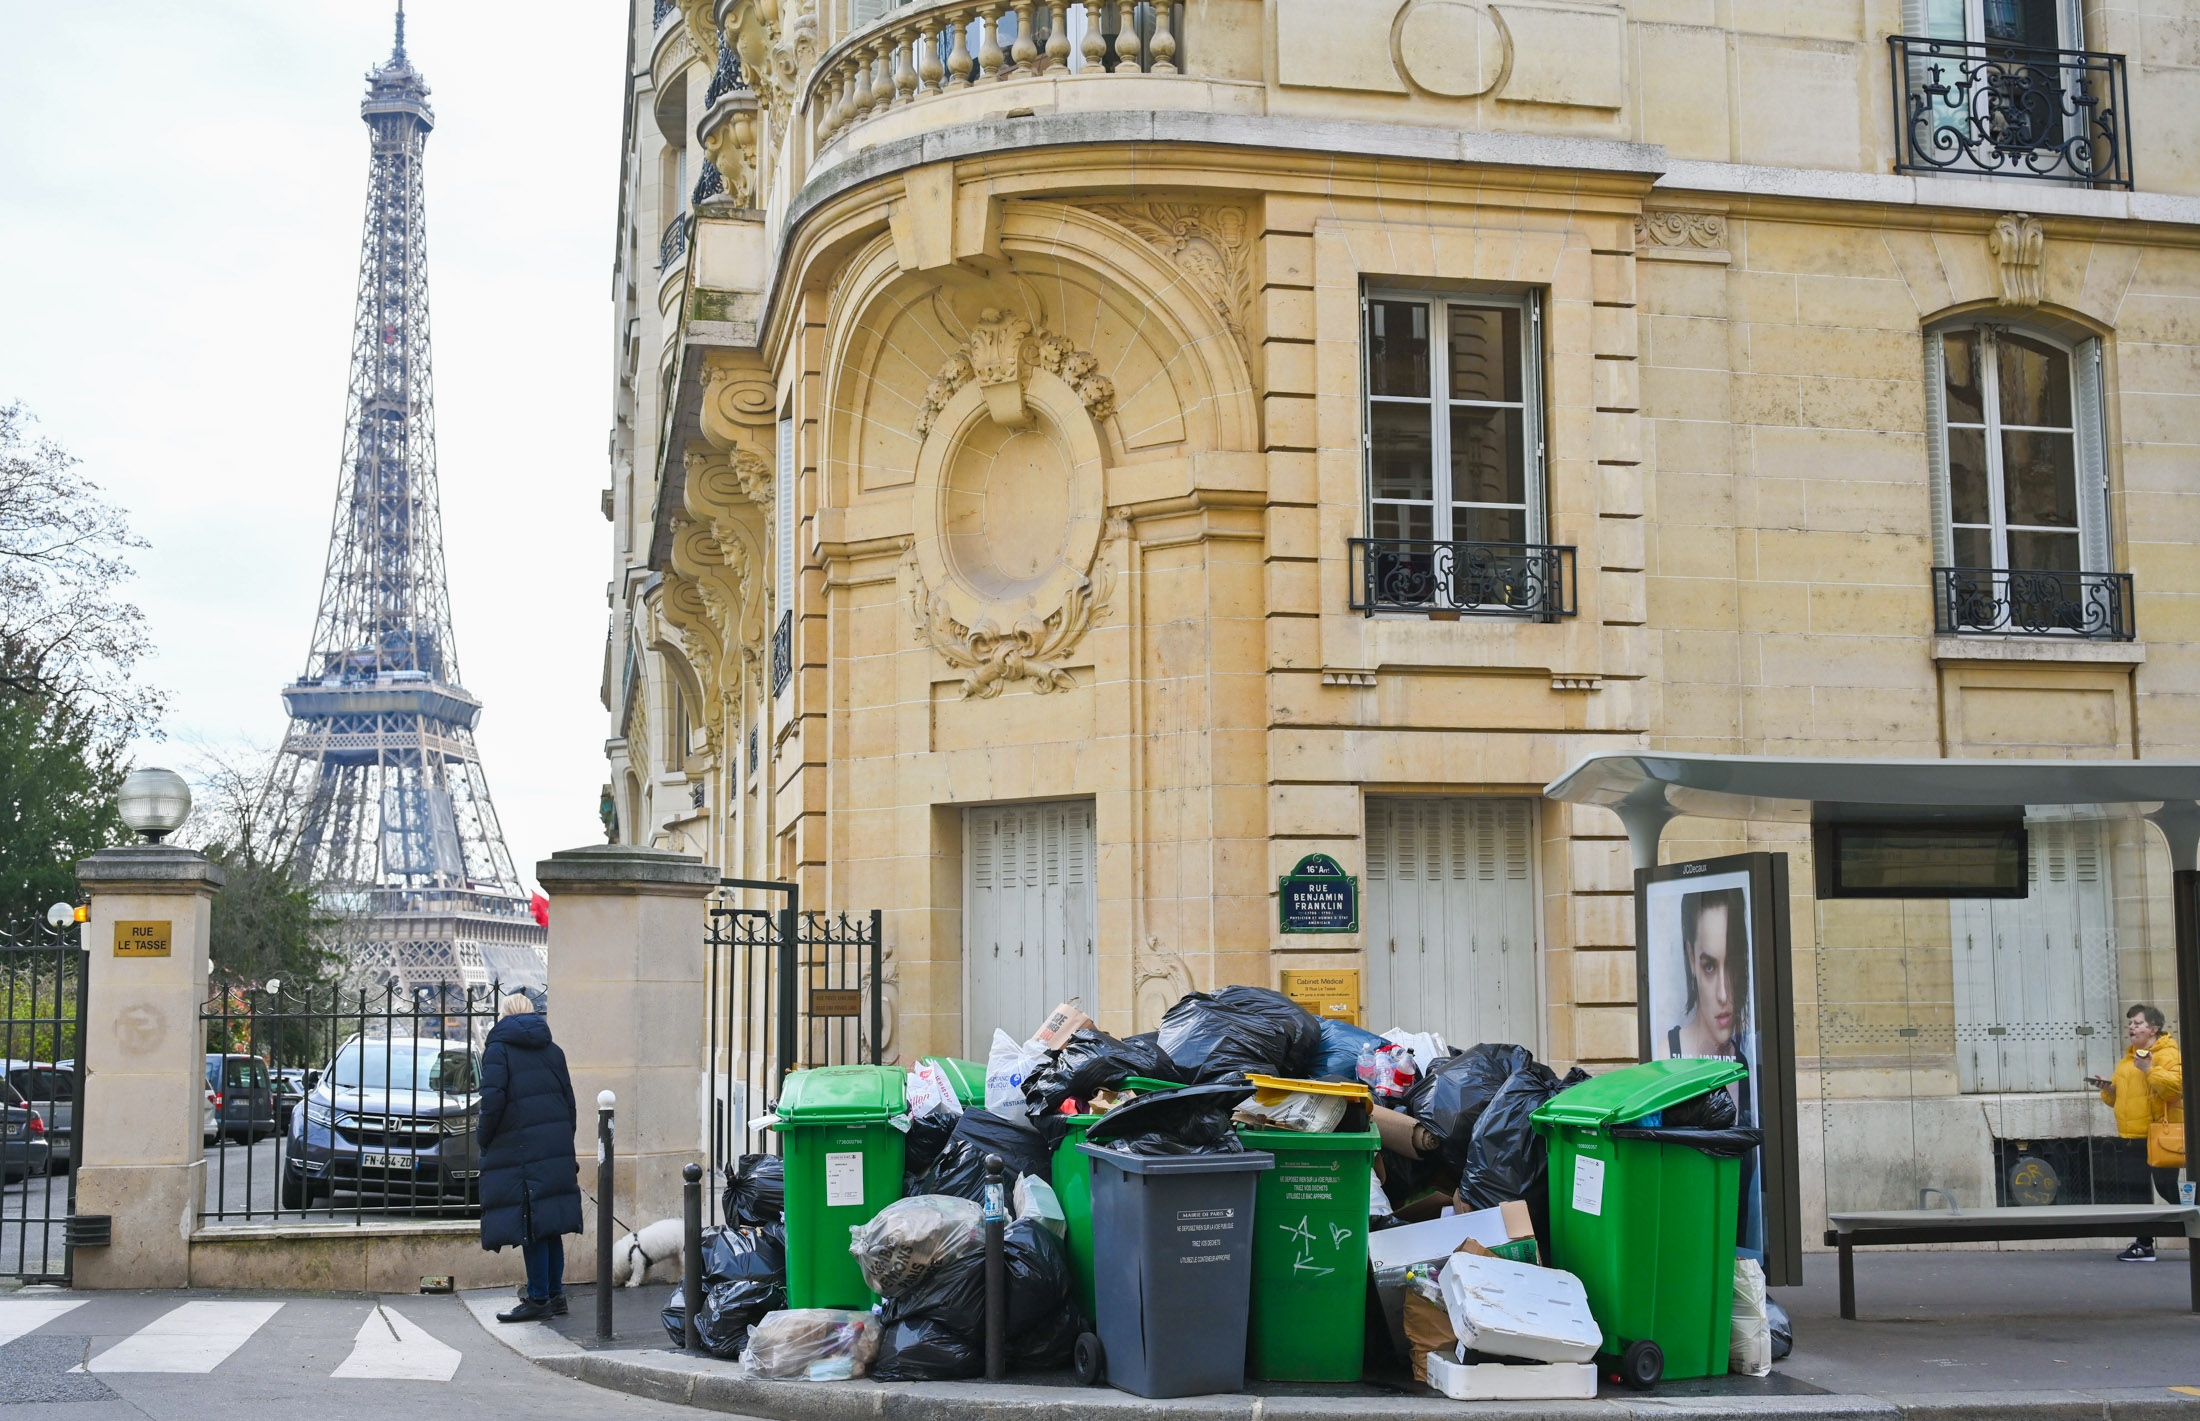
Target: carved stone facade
[{"x": 1001, "y": 443}]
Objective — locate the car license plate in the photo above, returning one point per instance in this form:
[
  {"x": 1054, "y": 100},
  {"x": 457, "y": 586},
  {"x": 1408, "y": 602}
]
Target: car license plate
[{"x": 396, "y": 1162}]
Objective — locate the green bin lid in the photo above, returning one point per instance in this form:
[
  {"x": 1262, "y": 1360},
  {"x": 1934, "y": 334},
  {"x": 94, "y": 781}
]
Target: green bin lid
[
  {"x": 842, "y": 1095},
  {"x": 966, "y": 1078},
  {"x": 1617, "y": 1097},
  {"x": 1366, "y": 1141}
]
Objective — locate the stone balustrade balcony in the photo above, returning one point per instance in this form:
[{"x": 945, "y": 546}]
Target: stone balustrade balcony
[{"x": 976, "y": 54}]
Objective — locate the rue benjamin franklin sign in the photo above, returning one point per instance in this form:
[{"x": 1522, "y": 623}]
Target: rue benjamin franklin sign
[{"x": 1318, "y": 897}]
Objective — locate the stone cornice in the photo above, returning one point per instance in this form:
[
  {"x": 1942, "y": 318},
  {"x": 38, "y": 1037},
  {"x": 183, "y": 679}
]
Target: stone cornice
[
  {"x": 150, "y": 868},
  {"x": 625, "y": 868}
]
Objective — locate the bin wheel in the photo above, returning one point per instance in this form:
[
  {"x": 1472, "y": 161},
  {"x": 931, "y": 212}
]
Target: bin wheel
[
  {"x": 1086, "y": 1361},
  {"x": 1642, "y": 1365}
]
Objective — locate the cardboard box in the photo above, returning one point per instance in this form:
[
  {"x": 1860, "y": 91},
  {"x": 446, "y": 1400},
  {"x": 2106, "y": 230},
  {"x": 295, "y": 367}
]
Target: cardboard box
[
  {"x": 1062, "y": 1023},
  {"x": 1495, "y": 1381},
  {"x": 1428, "y": 1329},
  {"x": 1510, "y": 1309}
]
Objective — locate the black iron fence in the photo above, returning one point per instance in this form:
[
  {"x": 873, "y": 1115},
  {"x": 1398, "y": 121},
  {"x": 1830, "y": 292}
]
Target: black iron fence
[
  {"x": 335, "y": 1104},
  {"x": 788, "y": 990},
  {"x": 1423, "y": 575},
  {"x": 2095, "y": 606},
  {"x": 2008, "y": 111},
  {"x": 41, "y": 1106}
]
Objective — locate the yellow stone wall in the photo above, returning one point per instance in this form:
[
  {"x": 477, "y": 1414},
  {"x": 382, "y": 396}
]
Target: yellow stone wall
[{"x": 1736, "y": 448}]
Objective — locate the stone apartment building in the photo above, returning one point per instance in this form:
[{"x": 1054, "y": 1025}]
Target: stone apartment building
[{"x": 1074, "y": 459}]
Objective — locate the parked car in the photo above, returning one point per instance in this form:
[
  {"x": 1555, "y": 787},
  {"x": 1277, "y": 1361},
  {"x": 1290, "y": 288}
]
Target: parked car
[
  {"x": 24, "y": 1153},
  {"x": 392, "y": 1118},
  {"x": 244, "y": 1097},
  {"x": 50, "y": 1089},
  {"x": 290, "y": 1088}
]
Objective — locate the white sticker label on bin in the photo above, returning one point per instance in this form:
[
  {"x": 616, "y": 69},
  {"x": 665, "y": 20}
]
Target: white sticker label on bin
[
  {"x": 1588, "y": 1185},
  {"x": 844, "y": 1180}
]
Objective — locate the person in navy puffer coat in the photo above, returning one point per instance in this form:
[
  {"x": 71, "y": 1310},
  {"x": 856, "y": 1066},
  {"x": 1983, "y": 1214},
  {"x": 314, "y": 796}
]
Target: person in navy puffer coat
[{"x": 530, "y": 1181}]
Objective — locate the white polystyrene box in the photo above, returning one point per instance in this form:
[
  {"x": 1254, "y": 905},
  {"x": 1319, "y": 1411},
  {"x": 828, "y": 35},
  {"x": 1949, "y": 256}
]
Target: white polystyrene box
[
  {"x": 1513, "y": 1309},
  {"x": 1495, "y": 1381}
]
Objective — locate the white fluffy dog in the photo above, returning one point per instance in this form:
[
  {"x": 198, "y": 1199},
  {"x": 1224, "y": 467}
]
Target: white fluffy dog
[{"x": 640, "y": 1253}]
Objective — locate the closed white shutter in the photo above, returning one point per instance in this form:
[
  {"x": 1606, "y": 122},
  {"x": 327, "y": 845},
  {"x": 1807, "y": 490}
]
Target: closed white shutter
[
  {"x": 1029, "y": 910},
  {"x": 1450, "y": 917},
  {"x": 863, "y": 12},
  {"x": 2093, "y": 527},
  {"x": 1933, "y": 19},
  {"x": 1936, "y": 448},
  {"x": 783, "y": 516},
  {"x": 2035, "y": 977}
]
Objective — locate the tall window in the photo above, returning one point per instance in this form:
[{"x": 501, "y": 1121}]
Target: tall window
[
  {"x": 783, "y": 520},
  {"x": 2032, "y": 24},
  {"x": 2021, "y": 480},
  {"x": 1455, "y": 440}
]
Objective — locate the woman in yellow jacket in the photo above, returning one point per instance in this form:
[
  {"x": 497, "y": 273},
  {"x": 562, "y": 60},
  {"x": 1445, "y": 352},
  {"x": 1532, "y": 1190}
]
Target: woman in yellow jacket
[{"x": 2148, "y": 1089}]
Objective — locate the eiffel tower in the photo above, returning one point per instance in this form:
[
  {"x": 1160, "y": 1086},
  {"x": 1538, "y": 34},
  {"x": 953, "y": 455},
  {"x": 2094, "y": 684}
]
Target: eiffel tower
[{"x": 395, "y": 832}]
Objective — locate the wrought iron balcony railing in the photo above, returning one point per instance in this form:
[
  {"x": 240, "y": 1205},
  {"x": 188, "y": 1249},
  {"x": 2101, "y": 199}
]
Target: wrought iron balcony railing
[
  {"x": 664, "y": 11},
  {"x": 2007, "y": 111},
  {"x": 727, "y": 77},
  {"x": 1420, "y": 575},
  {"x": 2022, "y": 602},
  {"x": 783, "y": 652},
  {"x": 674, "y": 244}
]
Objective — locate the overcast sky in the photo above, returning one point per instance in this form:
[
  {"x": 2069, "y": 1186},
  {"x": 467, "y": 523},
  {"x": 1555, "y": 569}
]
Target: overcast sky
[{"x": 181, "y": 187}]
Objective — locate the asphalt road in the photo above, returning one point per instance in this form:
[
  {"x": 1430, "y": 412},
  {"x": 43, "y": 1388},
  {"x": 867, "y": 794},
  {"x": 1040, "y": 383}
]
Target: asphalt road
[{"x": 187, "y": 1356}]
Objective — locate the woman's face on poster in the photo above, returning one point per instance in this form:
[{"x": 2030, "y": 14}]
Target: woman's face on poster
[{"x": 1714, "y": 982}]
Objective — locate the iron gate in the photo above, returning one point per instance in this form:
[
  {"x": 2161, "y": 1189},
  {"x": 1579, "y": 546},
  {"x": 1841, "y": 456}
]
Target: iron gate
[
  {"x": 788, "y": 990},
  {"x": 41, "y": 1106}
]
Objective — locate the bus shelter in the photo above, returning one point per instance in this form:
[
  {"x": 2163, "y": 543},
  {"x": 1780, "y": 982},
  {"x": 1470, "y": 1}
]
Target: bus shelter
[{"x": 1965, "y": 939}]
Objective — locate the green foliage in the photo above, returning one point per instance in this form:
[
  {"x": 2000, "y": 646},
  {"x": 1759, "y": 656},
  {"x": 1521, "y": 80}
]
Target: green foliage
[
  {"x": 38, "y": 1006},
  {"x": 58, "y": 777},
  {"x": 265, "y": 927}
]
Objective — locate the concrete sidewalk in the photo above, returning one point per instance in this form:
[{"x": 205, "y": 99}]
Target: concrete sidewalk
[{"x": 1941, "y": 1336}]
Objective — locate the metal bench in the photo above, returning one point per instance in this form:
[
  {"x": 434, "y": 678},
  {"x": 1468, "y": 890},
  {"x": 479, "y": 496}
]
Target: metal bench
[{"x": 1898, "y": 1226}]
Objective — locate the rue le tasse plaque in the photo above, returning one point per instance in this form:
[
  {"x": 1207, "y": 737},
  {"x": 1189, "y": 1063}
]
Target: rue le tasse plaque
[{"x": 143, "y": 938}]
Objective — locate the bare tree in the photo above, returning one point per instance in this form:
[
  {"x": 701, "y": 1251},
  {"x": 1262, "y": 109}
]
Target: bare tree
[{"x": 67, "y": 634}]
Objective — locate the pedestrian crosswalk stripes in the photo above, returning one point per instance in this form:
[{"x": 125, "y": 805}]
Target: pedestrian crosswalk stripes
[
  {"x": 197, "y": 1337},
  {"x": 18, "y": 1316},
  {"x": 200, "y": 1336}
]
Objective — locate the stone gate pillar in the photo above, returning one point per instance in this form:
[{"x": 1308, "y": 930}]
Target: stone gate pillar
[
  {"x": 627, "y": 1005},
  {"x": 143, "y": 1057}
]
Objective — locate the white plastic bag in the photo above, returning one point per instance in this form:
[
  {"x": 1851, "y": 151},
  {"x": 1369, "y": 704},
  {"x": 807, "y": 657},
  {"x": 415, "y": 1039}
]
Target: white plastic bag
[
  {"x": 929, "y": 1092},
  {"x": 1006, "y": 1067},
  {"x": 811, "y": 1344},
  {"x": 1749, "y": 1349},
  {"x": 1427, "y": 1047},
  {"x": 1035, "y": 1198},
  {"x": 1378, "y": 1202}
]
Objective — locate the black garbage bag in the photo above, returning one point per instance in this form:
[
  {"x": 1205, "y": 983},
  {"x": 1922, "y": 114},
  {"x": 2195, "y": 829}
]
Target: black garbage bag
[
  {"x": 1191, "y": 1121},
  {"x": 744, "y": 1277},
  {"x": 960, "y": 1168},
  {"x": 926, "y": 1348},
  {"x": 1090, "y": 1061},
  {"x": 1452, "y": 1093},
  {"x": 756, "y": 1191},
  {"x": 1719, "y": 1144},
  {"x": 1342, "y": 1043},
  {"x": 1783, "y": 1331},
  {"x": 1711, "y": 1111},
  {"x": 1505, "y": 1156},
  {"x": 1038, "y": 1279},
  {"x": 1214, "y": 1036},
  {"x": 927, "y": 1137}
]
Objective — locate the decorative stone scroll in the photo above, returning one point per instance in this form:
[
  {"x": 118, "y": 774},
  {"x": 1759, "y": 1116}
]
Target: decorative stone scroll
[
  {"x": 1000, "y": 354},
  {"x": 1208, "y": 244},
  {"x": 1031, "y": 648},
  {"x": 2019, "y": 244},
  {"x": 1681, "y": 236}
]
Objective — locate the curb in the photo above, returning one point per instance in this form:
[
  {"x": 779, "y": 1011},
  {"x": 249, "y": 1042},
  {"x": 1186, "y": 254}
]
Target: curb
[{"x": 713, "y": 1385}]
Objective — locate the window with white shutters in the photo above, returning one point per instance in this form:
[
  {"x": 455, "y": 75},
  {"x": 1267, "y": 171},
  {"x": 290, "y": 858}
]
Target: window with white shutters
[
  {"x": 1029, "y": 908},
  {"x": 1450, "y": 912}
]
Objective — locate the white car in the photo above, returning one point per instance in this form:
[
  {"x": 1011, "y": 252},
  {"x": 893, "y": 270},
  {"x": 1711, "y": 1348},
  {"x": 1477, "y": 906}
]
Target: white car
[{"x": 212, "y": 1132}]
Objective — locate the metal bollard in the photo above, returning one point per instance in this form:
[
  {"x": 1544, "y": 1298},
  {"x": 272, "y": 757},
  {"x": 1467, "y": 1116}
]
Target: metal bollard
[
  {"x": 691, "y": 1253},
  {"x": 605, "y": 1223},
  {"x": 996, "y": 1272}
]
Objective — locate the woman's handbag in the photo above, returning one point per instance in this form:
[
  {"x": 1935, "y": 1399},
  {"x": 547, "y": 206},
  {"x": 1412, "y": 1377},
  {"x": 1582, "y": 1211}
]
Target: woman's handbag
[{"x": 2166, "y": 1145}]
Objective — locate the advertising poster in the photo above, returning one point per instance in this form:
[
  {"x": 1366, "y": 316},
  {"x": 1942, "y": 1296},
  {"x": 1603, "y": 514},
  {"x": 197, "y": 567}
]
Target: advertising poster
[{"x": 1712, "y": 982}]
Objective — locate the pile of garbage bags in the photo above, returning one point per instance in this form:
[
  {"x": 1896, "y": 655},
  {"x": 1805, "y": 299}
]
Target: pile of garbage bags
[
  {"x": 926, "y": 1257},
  {"x": 744, "y": 1280}
]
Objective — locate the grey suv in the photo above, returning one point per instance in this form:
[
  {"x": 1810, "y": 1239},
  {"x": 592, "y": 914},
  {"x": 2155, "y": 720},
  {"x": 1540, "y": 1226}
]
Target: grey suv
[{"x": 392, "y": 1118}]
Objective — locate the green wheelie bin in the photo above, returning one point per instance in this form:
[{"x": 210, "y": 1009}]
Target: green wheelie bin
[
  {"x": 1310, "y": 1255},
  {"x": 844, "y": 1164},
  {"x": 1646, "y": 1216}
]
